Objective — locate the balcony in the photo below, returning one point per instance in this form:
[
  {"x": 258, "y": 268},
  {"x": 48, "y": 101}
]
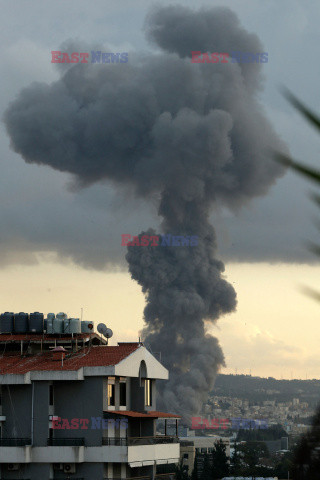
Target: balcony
[
  {"x": 113, "y": 441},
  {"x": 135, "y": 441},
  {"x": 66, "y": 442},
  {"x": 158, "y": 476},
  {"x": 132, "y": 441},
  {"x": 14, "y": 442}
]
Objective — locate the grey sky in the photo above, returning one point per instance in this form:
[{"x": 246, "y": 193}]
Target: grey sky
[{"x": 39, "y": 212}]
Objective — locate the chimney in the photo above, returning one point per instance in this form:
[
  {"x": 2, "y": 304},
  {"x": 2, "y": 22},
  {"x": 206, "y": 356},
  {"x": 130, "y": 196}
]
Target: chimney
[{"x": 58, "y": 353}]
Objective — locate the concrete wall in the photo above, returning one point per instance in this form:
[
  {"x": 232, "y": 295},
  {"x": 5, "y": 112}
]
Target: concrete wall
[
  {"x": 82, "y": 399},
  {"x": 41, "y": 414},
  {"x": 16, "y": 406},
  {"x": 32, "y": 472},
  {"x": 88, "y": 471}
]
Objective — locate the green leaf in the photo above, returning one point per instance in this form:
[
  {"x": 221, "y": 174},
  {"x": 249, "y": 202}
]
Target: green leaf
[
  {"x": 308, "y": 114},
  {"x": 315, "y": 197},
  {"x": 306, "y": 171},
  {"x": 311, "y": 293}
]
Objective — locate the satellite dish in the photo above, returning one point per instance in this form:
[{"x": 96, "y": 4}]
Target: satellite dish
[
  {"x": 109, "y": 333},
  {"x": 106, "y": 332}
]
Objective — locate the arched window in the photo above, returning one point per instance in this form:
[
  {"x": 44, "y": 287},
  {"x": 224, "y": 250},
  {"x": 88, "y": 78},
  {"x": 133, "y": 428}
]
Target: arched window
[{"x": 146, "y": 383}]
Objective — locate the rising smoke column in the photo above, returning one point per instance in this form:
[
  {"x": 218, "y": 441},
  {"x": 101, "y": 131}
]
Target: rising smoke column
[{"x": 193, "y": 135}]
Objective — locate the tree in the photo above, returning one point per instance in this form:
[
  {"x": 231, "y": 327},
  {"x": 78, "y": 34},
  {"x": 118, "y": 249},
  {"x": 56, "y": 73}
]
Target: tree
[
  {"x": 220, "y": 464},
  {"x": 181, "y": 472},
  {"x": 251, "y": 453},
  {"x": 194, "y": 475},
  {"x": 236, "y": 468},
  {"x": 306, "y": 463},
  {"x": 207, "y": 469},
  {"x": 309, "y": 172}
]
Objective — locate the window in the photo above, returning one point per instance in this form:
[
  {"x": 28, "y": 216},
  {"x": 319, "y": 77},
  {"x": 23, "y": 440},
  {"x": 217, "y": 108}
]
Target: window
[
  {"x": 123, "y": 393},
  {"x": 51, "y": 394},
  {"x": 111, "y": 392},
  {"x": 185, "y": 455},
  {"x": 147, "y": 392}
]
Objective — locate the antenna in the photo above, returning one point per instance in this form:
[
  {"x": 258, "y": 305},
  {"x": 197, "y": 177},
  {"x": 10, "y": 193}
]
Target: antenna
[{"x": 105, "y": 331}]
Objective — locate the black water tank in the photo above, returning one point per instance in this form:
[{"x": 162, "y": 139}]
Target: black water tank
[
  {"x": 36, "y": 322},
  {"x": 6, "y": 322},
  {"x": 21, "y": 322}
]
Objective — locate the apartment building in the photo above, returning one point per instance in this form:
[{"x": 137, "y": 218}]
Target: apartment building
[
  {"x": 74, "y": 407},
  {"x": 200, "y": 446}
]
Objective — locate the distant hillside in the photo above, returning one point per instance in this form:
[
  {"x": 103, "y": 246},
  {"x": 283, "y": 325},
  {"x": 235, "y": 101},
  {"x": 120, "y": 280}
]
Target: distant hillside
[{"x": 259, "y": 389}]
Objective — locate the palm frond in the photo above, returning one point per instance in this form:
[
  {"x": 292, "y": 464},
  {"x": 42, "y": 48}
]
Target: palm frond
[
  {"x": 305, "y": 111},
  {"x": 299, "y": 167}
]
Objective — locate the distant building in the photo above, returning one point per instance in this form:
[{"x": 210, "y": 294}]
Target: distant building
[
  {"x": 74, "y": 407},
  {"x": 195, "y": 445}
]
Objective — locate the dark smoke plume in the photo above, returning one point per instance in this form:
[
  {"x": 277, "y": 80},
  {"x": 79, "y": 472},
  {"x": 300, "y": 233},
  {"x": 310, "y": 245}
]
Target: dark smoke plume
[{"x": 193, "y": 135}]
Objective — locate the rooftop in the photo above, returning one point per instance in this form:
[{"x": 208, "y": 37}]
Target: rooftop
[{"x": 89, "y": 356}]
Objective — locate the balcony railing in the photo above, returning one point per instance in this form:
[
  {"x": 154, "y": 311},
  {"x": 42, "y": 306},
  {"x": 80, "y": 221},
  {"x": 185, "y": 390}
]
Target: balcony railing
[
  {"x": 66, "y": 442},
  {"x": 132, "y": 441},
  {"x": 158, "y": 476},
  {"x": 111, "y": 441},
  {"x": 14, "y": 442},
  {"x": 152, "y": 440},
  {"x": 165, "y": 476}
]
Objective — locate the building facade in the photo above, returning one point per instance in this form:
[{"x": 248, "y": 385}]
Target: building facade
[
  {"x": 200, "y": 446},
  {"x": 75, "y": 407}
]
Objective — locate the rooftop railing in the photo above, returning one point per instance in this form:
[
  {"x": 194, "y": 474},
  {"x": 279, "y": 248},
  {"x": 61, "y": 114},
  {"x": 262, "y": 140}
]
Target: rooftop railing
[
  {"x": 66, "y": 442},
  {"x": 14, "y": 442}
]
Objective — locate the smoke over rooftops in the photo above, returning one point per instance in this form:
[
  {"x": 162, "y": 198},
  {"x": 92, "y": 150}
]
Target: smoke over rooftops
[{"x": 194, "y": 135}]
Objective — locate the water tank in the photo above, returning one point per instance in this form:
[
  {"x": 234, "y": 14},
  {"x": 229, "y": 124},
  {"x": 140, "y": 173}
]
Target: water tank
[
  {"x": 66, "y": 325},
  {"x": 36, "y": 322},
  {"x": 62, "y": 315},
  {"x": 86, "y": 326},
  {"x": 6, "y": 322},
  {"x": 50, "y": 319},
  {"x": 74, "y": 325},
  {"x": 58, "y": 324},
  {"x": 21, "y": 322}
]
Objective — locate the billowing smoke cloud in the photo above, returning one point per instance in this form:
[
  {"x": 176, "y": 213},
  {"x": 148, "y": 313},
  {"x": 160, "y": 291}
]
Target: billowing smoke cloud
[{"x": 192, "y": 135}]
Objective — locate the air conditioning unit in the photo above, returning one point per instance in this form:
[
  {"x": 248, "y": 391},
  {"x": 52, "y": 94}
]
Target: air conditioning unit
[
  {"x": 13, "y": 466},
  {"x": 69, "y": 468}
]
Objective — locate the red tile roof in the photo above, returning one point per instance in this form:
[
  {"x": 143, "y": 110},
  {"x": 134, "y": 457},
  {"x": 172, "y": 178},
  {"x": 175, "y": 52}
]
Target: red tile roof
[
  {"x": 152, "y": 414},
  {"x": 95, "y": 356}
]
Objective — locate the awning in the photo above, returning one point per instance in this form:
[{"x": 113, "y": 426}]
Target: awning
[{"x": 132, "y": 414}]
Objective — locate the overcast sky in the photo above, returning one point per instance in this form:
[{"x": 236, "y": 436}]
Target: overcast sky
[{"x": 46, "y": 225}]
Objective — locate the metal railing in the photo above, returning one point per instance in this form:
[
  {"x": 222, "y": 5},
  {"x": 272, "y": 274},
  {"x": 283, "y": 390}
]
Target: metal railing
[
  {"x": 66, "y": 442},
  {"x": 132, "y": 441},
  {"x": 14, "y": 442},
  {"x": 111, "y": 441},
  {"x": 165, "y": 476},
  {"x": 158, "y": 476},
  {"x": 152, "y": 440}
]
